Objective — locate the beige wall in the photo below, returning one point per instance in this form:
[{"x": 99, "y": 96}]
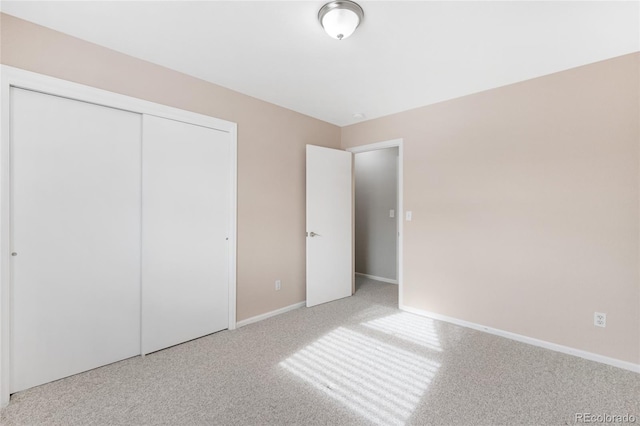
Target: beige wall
[
  {"x": 525, "y": 206},
  {"x": 271, "y": 150}
]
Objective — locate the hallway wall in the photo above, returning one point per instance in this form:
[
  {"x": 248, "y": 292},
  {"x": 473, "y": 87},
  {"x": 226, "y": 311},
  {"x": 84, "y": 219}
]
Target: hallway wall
[{"x": 376, "y": 193}]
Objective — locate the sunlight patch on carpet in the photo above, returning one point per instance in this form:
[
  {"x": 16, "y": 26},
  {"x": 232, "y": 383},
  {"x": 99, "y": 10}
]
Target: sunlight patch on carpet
[
  {"x": 409, "y": 327},
  {"x": 380, "y": 382}
]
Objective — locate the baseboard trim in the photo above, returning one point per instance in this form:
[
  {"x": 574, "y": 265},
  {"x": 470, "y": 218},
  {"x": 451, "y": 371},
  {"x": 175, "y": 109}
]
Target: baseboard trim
[
  {"x": 373, "y": 277},
  {"x": 270, "y": 314},
  {"x": 529, "y": 340}
]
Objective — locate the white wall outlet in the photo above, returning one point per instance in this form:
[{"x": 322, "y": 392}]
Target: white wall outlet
[
  {"x": 407, "y": 216},
  {"x": 392, "y": 213},
  {"x": 599, "y": 319},
  {"x": 278, "y": 284}
]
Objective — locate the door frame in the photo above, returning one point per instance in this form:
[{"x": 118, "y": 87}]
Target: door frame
[
  {"x": 400, "y": 208},
  {"x": 18, "y": 78}
]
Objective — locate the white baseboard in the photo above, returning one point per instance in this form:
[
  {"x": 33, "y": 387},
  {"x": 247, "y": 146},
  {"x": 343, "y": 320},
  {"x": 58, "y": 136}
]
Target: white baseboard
[
  {"x": 529, "y": 340},
  {"x": 373, "y": 277},
  {"x": 270, "y": 314}
]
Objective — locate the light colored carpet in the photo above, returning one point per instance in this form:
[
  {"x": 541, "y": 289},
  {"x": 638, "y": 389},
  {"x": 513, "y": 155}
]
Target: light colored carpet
[{"x": 354, "y": 361}]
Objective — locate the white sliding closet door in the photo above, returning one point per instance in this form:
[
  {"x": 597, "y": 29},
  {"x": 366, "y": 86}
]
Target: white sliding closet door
[
  {"x": 185, "y": 207},
  {"x": 76, "y": 237}
]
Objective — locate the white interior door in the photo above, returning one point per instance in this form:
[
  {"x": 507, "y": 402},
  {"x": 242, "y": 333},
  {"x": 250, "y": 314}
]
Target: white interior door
[
  {"x": 329, "y": 224},
  {"x": 186, "y": 193},
  {"x": 75, "y": 235}
]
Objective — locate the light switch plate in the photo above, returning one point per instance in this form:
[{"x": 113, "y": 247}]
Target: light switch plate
[{"x": 408, "y": 216}]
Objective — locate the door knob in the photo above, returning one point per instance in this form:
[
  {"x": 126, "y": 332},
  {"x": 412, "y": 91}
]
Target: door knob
[
  {"x": 313, "y": 234},
  {"x": 14, "y": 254}
]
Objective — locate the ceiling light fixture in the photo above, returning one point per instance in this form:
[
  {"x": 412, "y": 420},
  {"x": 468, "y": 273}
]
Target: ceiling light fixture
[{"x": 340, "y": 18}]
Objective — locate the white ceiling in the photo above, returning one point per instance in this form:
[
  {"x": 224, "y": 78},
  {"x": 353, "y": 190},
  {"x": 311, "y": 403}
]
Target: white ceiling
[{"x": 404, "y": 55}]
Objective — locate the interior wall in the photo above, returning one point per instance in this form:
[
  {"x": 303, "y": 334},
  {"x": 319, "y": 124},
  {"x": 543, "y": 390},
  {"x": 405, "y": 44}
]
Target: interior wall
[
  {"x": 376, "y": 193},
  {"x": 271, "y": 150},
  {"x": 525, "y": 206}
]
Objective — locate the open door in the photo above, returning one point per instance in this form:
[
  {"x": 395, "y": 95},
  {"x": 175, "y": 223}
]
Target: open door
[{"x": 329, "y": 225}]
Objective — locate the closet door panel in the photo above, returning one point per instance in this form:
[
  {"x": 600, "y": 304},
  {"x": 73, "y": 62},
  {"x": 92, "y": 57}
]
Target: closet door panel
[
  {"x": 76, "y": 189},
  {"x": 186, "y": 190}
]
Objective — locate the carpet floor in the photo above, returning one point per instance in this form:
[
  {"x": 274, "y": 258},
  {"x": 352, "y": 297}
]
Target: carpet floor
[{"x": 356, "y": 361}]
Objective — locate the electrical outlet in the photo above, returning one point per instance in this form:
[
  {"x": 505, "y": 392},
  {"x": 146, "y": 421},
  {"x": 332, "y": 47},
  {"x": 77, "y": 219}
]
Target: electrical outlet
[
  {"x": 278, "y": 284},
  {"x": 599, "y": 319}
]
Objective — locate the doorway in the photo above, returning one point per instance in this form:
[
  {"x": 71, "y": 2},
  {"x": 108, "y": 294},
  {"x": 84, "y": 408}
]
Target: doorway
[{"x": 378, "y": 212}]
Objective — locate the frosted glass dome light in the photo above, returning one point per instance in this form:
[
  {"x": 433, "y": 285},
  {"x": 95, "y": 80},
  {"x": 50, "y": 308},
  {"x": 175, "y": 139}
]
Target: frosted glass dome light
[{"x": 340, "y": 18}]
